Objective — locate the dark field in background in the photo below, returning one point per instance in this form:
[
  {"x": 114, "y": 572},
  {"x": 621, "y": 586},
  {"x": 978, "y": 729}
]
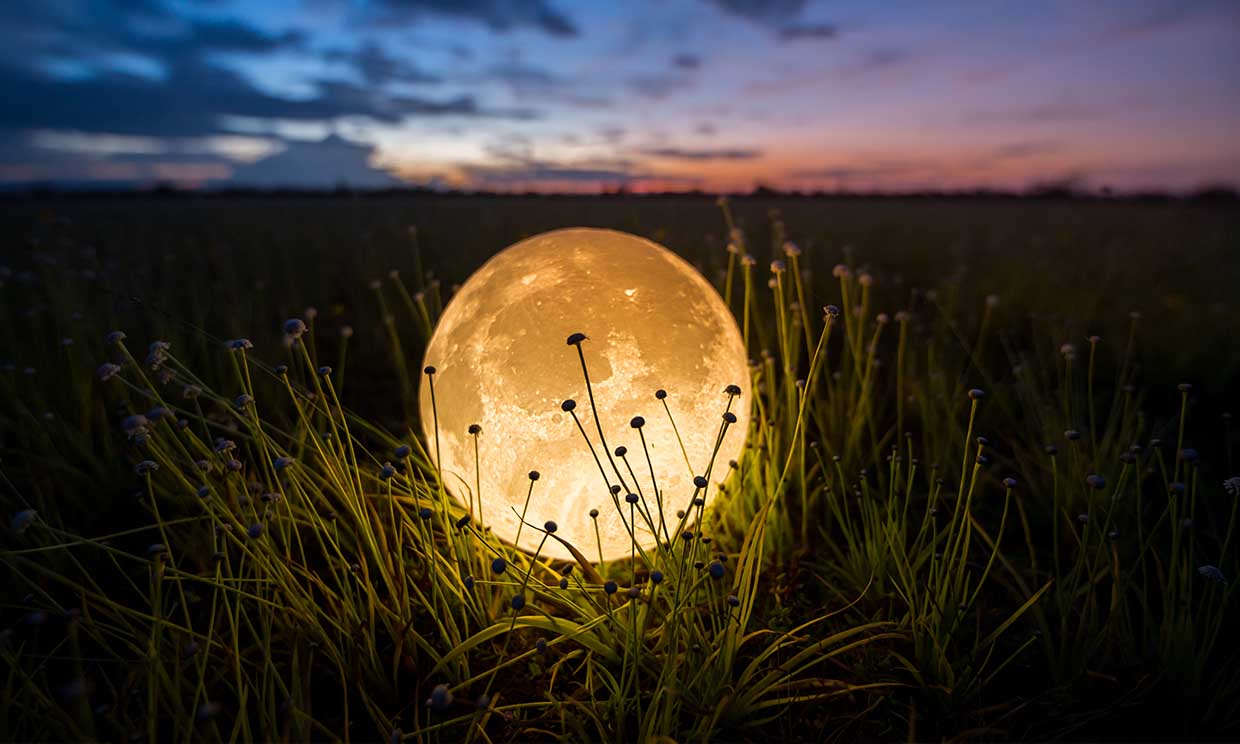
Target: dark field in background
[
  {"x": 198, "y": 270},
  {"x": 238, "y": 266}
]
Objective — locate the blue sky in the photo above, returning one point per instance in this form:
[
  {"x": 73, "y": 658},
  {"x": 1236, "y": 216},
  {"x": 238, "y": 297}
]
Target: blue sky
[{"x": 585, "y": 96}]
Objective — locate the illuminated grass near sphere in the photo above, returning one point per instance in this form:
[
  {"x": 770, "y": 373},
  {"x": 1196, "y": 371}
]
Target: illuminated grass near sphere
[{"x": 652, "y": 322}]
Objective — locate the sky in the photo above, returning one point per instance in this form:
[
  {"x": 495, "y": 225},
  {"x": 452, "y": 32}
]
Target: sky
[{"x": 646, "y": 95}]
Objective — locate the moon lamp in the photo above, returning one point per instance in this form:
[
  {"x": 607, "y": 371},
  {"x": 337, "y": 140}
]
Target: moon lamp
[{"x": 505, "y": 360}]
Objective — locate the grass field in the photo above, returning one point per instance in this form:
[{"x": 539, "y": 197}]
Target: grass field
[{"x": 991, "y": 493}]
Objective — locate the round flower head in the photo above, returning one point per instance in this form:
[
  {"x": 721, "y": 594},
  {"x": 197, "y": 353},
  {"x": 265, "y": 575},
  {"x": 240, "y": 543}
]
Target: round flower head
[
  {"x": 790, "y": 249},
  {"x": 610, "y": 587},
  {"x": 115, "y": 337},
  {"x": 576, "y": 339},
  {"x": 146, "y": 467},
  {"x": 1096, "y": 482},
  {"x": 294, "y": 328},
  {"x": 135, "y": 425},
  {"x": 387, "y": 472},
  {"x": 1213, "y": 573},
  {"x": 22, "y": 520},
  {"x": 403, "y": 452},
  {"x": 441, "y": 698},
  {"x": 159, "y": 413},
  {"x": 499, "y": 565},
  {"x": 255, "y": 531},
  {"x": 239, "y": 344},
  {"x": 157, "y": 354},
  {"x": 283, "y": 463},
  {"x": 107, "y": 371}
]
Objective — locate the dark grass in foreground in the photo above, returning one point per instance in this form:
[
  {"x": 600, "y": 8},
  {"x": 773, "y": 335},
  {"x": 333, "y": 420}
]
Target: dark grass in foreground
[{"x": 974, "y": 501}]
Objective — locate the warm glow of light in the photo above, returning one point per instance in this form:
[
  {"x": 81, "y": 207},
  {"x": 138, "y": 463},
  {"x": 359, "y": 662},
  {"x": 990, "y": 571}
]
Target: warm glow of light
[{"x": 502, "y": 361}]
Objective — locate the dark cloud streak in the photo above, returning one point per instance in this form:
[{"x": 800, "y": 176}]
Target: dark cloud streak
[
  {"x": 499, "y": 15},
  {"x": 680, "y": 153}
]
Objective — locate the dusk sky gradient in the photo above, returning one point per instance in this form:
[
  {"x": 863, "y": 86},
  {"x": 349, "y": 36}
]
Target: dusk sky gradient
[{"x": 556, "y": 95}]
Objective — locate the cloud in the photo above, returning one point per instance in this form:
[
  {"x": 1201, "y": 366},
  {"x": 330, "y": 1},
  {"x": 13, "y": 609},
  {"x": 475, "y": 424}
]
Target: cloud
[
  {"x": 1031, "y": 148},
  {"x": 76, "y": 159},
  {"x": 659, "y": 86},
  {"x": 537, "y": 84},
  {"x": 325, "y": 164},
  {"x": 781, "y": 16},
  {"x": 613, "y": 134},
  {"x": 516, "y": 167},
  {"x": 879, "y": 59},
  {"x": 499, "y": 15},
  {"x": 1150, "y": 23},
  {"x": 808, "y": 31},
  {"x": 377, "y": 67},
  {"x": 686, "y": 61},
  {"x": 569, "y": 177},
  {"x": 679, "y": 153},
  {"x": 765, "y": 12},
  {"x": 193, "y": 100}
]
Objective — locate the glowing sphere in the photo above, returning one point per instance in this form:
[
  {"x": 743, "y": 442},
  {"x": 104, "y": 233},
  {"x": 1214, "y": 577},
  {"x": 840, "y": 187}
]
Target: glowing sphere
[{"x": 502, "y": 360}]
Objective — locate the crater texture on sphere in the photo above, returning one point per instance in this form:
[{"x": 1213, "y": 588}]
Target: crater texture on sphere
[{"x": 652, "y": 322}]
